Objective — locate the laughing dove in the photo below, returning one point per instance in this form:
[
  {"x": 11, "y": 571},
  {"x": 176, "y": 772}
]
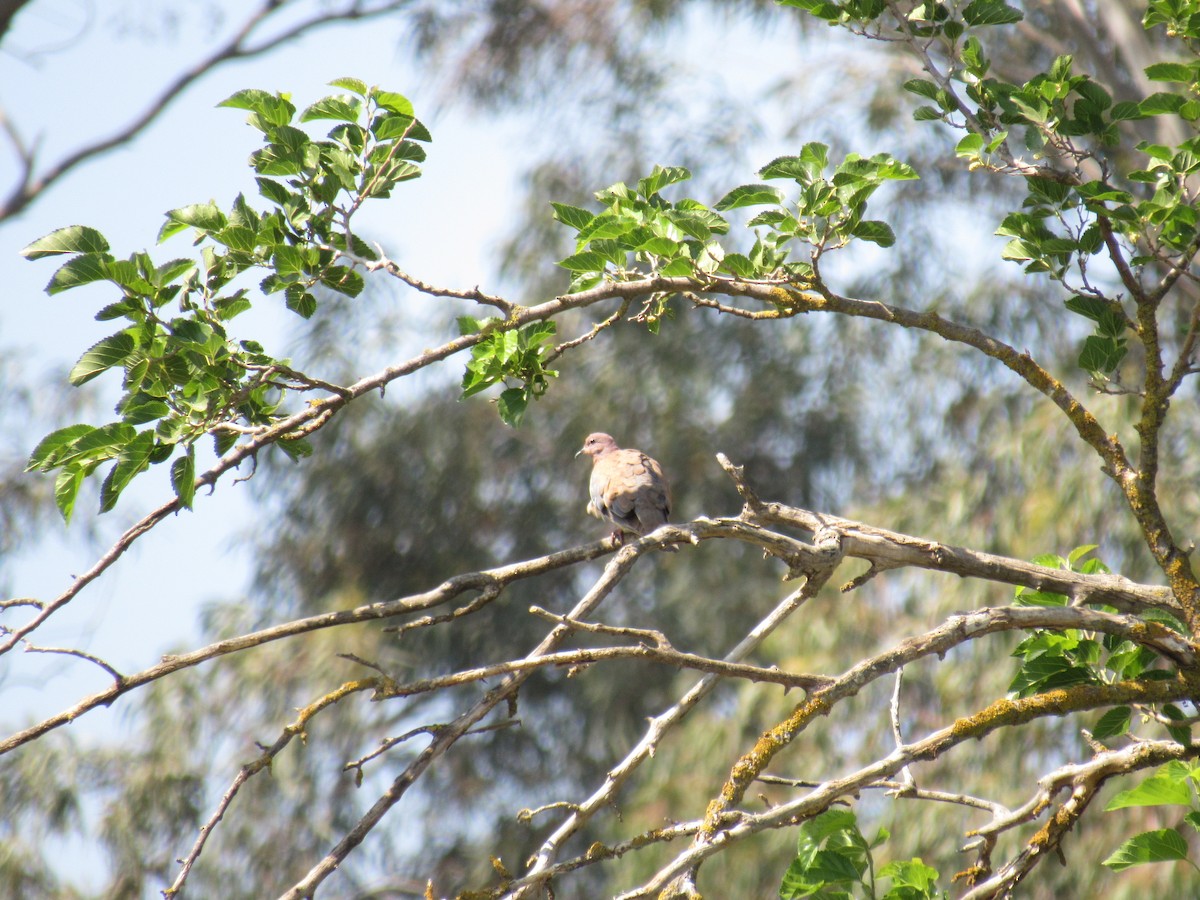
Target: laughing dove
[{"x": 627, "y": 487}]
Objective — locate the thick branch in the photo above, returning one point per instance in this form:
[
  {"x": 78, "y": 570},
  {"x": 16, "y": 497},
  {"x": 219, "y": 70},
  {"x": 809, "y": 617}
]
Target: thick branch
[{"x": 726, "y": 827}]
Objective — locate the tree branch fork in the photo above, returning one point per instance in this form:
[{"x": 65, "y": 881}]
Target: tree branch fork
[{"x": 773, "y": 527}]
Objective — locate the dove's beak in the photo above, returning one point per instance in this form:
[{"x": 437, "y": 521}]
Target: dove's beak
[{"x": 577, "y": 452}]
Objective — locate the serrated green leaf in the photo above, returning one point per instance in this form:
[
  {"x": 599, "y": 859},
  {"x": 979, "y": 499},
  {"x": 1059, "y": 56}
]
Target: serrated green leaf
[
  {"x": 204, "y": 216},
  {"x": 350, "y": 84},
  {"x": 1161, "y": 104},
  {"x": 344, "y": 280},
  {"x": 970, "y": 145},
  {"x": 183, "y": 478},
  {"x": 1162, "y": 789},
  {"x": 750, "y": 195},
  {"x": 572, "y": 216},
  {"x": 102, "y": 355},
  {"x": 679, "y": 267},
  {"x": 301, "y": 302},
  {"x": 391, "y": 128},
  {"x": 83, "y": 269},
  {"x": 251, "y": 99},
  {"x": 331, "y": 108},
  {"x": 511, "y": 404},
  {"x": 588, "y": 261},
  {"x": 297, "y": 449},
  {"x": 1114, "y": 722},
  {"x": 875, "y": 231},
  {"x": 72, "y": 239},
  {"x": 144, "y": 409},
  {"x": 922, "y": 88},
  {"x": 739, "y": 266},
  {"x": 1168, "y": 71},
  {"x": 45, "y": 455},
  {"x": 660, "y": 178},
  {"x": 133, "y": 458},
  {"x": 66, "y": 490},
  {"x": 393, "y": 102},
  {"x": 1164, "y": 845}
]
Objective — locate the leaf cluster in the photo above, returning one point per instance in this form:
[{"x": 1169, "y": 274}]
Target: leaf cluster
[
  {"x": 184, "y": 374},
  {"x": 1054, "y": 659},
  {"x": 834, "y": 860}
]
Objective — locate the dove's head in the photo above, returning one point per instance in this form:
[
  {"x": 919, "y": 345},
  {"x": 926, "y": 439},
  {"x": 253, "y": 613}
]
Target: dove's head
[{"x": 597, "y": 445}]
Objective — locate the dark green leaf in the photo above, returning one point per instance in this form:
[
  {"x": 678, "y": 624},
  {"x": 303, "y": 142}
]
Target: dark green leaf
[
  {"x": 1168, "y": 71},
  {"x": 331, "y": 108},
  {"x": 204, "y": 216},
  {"x": 66, "y": 489},
  {"x": 922, "y": 88},
  {"x": 45, "y": 455},
  {"x": 183, "y": 478},
  {"x": 1161, "y": 103},
  {"x": 990, "y": 12},
  {"x": 72, "y": 239},
  {"x": 83, "y": 269},
  {"x": 874, "y": 231},
  {"x": 660, "y": 178},
  {"x": 133, "y": 458},
  {"x": 511, "y": 405},
  {"x": 588, "y": 261},
  {"x": 750, "y": 195},
  {"x": 739, "y": 266},
  {"x": 1113, "y": 723},
  {"x": 103, "y": 355}
]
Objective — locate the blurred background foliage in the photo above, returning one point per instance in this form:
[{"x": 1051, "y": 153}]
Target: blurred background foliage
[{"x": 835, "y": 415}]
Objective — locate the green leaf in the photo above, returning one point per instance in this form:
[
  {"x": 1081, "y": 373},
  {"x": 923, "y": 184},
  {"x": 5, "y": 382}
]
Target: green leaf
[
  {"x": 922, "y": 88},
  {"x": 393, "y": 102},
  {"x": 300, "y": 302},
  {"x": 874, "y": 231},
  {"x": 990, "y": 12},
  {"x": 350, "y": 84},
  {"x": 1113, "y": 723},
  {"x": 1164, "y": 845},
  {"x": 45, "y": 455},
  {"x": 1101, "y": 354},
  {"x": 739, "y": 266},
  {"x": 183, "y": 478},
  {"x": 204, "y": 216},
  {"x": 331, "y": 108},
  {"x": 970, "y": 145},
  {"x": 344, "y": 280},
  {"x": 133, "y": 458},
  {"x": 572, "y": 216},
  {"x": 102, "y": 355},
  {"x": 1162, "y": 789},
  {"x": 589, "y": 261},
  {"x": 750, "y": 195},
  {"x": 296, "y": 448},
  {"x": 660, "y": 178},
  {"x": 680, "y": 267},
  {"x": 1161, "y": 103},
  {"x": 72, "y": 239},
  {"x": 1168, "y": 71},
  {"x": 66, "y": 489},
  {"x": 83, "y": 269},
  {"x": 251, "y": 99},
  {"x": 144, "y": 409},
  {"x": 511, "y": 406}
]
